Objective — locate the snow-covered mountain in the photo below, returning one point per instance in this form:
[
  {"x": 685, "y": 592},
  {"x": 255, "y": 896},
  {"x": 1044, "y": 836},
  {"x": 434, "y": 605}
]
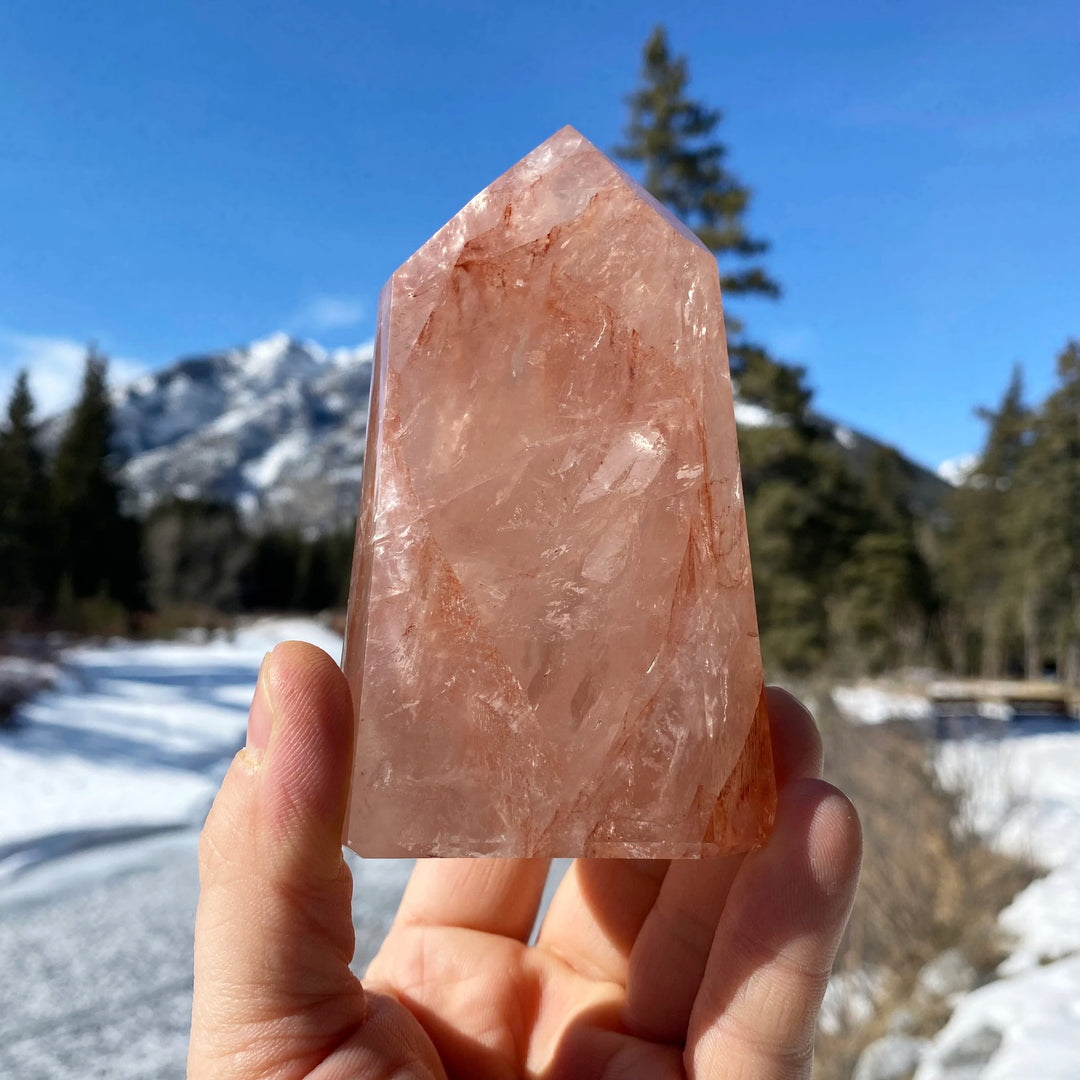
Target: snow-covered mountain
[{"x": 277, "y": 428}]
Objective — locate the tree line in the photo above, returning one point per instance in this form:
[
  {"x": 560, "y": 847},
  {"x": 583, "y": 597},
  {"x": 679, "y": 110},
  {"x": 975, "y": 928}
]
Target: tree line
[
  {"x": 1010, "y": 547},
  {"x": 836, "y": 556},
  {"x": 849, "y": 575},
  {"x": 74, "y": 556},
  {"x": 64, "y": 538}
]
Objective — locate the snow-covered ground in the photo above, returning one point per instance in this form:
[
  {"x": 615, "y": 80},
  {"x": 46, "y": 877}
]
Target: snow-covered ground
[
  {"x": 134, "y": 738},
  {"x": 1025, "y": 797},
  {"x": 104, "y": 787},
  {"x": 1021, "y": 781},
  {"x": 873, "y": 703}
]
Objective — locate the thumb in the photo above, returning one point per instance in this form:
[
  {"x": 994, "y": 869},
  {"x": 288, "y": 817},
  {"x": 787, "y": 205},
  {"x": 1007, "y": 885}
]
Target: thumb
[{"x": 273, "y": 934}]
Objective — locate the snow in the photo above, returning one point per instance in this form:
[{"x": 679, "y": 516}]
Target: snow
[
  {"x": 105, "y": 784},
  {"x": 266, "y": 425},
  {"x": 361, "y": 354},
  {"x": 1038, "y": 1016},
  {"x": 750, "y": 415},
  {"x": 871, "y": 703},
  {"x": 19, "y": 672},
  {"x": 134, "y": 739},
  {"x": 1021, "y": 790},
  {"x": 851, "y": 999},
  {"x": 263, "y": 472},
  {"x": 845, "y": 437},
  {"x": 958, "y": 470},
  {"x": 1024, "y": 794},
  {"x": 268, "y": 362},
  {"x": 103, "y": 787},
  {"x": 95, "y": 950}
]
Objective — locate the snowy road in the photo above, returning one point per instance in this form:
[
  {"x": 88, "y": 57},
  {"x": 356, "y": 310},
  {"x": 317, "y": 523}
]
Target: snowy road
[
  {"x": 97, "y": 967},
  {"x": 102, "y": 794},
  {"x": 103, "y": 790},
  {"x": 134, "y": 738},
  {"x": 95, "y": 959}
]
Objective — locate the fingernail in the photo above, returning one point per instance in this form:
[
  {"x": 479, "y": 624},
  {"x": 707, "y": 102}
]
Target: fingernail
[{"x": 261, "y": 716}]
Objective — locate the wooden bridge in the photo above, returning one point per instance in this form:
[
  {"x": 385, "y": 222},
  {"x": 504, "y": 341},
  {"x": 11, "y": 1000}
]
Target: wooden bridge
[{"x": 1016, "y": 698}]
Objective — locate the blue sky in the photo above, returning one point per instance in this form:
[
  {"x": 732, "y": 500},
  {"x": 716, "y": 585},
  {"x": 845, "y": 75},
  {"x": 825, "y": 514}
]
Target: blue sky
[{"x": 178, "y": 177}]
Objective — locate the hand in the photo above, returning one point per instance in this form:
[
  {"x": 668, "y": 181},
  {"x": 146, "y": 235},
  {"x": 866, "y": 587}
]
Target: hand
[{"x": 708, "y": 968}]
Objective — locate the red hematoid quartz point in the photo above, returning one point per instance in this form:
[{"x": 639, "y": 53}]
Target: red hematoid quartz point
[{"x": 552, "y": 642}]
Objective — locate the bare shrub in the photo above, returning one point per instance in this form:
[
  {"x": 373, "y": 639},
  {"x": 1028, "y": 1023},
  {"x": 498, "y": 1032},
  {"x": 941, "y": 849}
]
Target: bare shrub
[
  {"x": 27, "y": 666},
  {"x": 928, "y": 882},
  {"x": 174, "y": 619}
]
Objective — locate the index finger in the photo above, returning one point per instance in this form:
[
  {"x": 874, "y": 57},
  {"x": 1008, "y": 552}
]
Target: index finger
[
  {"x": 796, "y": 742},
  {"x": 496, "y": 896}
]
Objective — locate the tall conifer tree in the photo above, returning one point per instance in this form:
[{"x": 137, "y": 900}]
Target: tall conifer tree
[
  {"x": 881, "y": 615},
  {"x": 981, "y": 550},
  {"x": 99, "y": 546},
  {"x": 806, "y": 510},
  {"x": 25, "y": 548},
  {"x": 672, "y": 138},
  {"x": 1052, "y": 497}
]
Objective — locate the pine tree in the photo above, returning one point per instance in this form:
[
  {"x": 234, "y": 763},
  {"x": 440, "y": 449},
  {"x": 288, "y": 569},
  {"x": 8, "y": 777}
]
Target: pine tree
[
  {"x": 880, "y": 616},
  {"x": 671, "y": 138},
  {"x": 814, "y": 536},
  {"x": 1049, "y": 508},
  {"x": 99, "y": 545},
  {"x": 25, "y": 538},
  {"x": 779, "y": 388},
  {"x": 984, "y": 559},
  {"x": 195, "y": 552},
  {"x": 805, "y": 512}
]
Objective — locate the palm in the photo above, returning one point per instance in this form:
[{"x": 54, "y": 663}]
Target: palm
[
  {"x": 575, "y": 1004},
  {"x": 700, "y": 969}
]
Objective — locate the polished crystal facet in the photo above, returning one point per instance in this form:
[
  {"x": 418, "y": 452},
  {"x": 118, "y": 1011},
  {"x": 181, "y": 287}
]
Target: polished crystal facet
[{"x": 552, "y": 643}]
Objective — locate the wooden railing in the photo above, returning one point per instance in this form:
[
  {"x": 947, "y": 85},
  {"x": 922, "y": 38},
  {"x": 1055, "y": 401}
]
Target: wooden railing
[{"x": 1021, "y": 697}]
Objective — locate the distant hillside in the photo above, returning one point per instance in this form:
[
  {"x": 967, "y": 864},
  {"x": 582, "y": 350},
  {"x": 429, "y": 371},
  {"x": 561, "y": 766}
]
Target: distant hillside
[
  {"x": 278, "y": 429},
  {"x": 926, "y": 488}
]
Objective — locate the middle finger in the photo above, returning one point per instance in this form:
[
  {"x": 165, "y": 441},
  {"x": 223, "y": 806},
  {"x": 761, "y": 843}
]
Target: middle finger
[
  {"x": 670, "y": 955},
  {"x": 597, "y": 913}
]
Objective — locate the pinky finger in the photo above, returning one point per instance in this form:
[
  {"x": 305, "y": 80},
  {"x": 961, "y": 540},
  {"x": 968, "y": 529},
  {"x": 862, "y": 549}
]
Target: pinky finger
[{"x": 755, "y": 1013}]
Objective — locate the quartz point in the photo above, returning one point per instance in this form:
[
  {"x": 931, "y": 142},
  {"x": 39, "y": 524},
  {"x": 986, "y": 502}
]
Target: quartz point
[{"x": 552, "y": 641}]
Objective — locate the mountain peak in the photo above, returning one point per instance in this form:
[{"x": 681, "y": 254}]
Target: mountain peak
[
  {"x": 276, "y": 427},
  {"x": 277, "y": 342},
  {"x": 273, "y": 360}
]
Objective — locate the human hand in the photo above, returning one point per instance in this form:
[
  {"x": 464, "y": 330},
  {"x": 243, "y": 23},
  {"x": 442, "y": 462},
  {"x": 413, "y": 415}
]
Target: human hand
[{"x": 705, "y": 969}]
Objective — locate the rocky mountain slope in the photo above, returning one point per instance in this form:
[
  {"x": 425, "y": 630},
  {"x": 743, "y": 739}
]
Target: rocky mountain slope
[{"x": 278, "y": 429}]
